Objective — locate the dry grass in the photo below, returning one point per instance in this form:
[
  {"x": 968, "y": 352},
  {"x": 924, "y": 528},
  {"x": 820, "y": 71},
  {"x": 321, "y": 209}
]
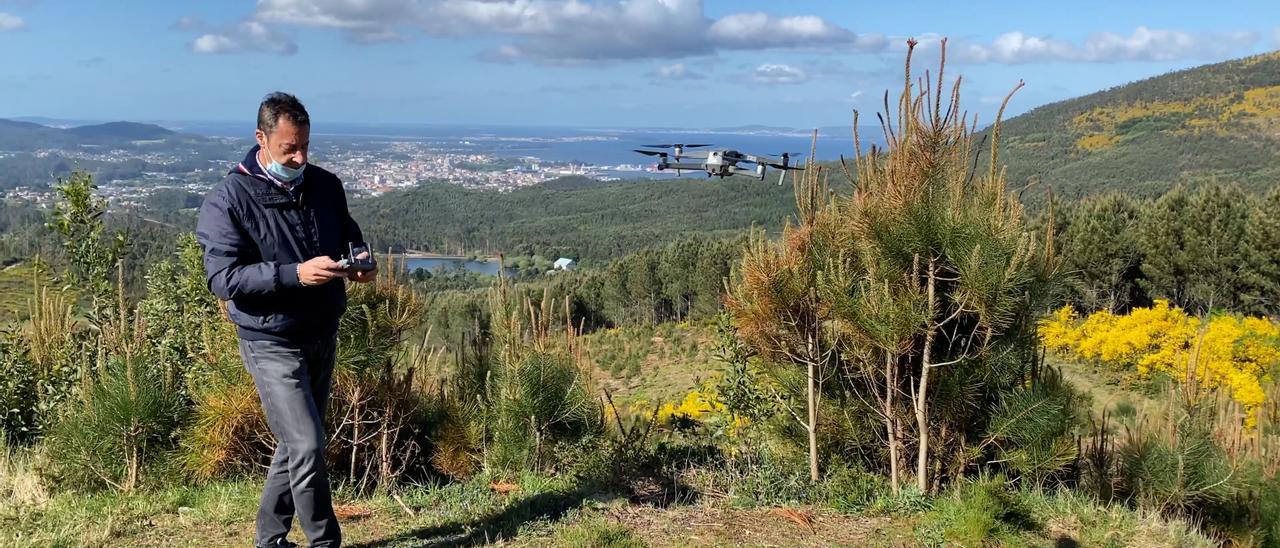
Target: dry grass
[{"x": 19, "y": 483}]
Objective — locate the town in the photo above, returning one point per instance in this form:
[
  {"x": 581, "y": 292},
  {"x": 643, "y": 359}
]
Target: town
[{"x": 367, "y": 168}]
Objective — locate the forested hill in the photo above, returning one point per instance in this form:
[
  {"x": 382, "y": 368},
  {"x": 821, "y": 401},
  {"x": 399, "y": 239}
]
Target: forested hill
[
  {"x": 1217, "y": 122},
  {"x": 572, "y": 217},
  {"x": 27, "y": 137},
  {"x": 35, "y": 155}
]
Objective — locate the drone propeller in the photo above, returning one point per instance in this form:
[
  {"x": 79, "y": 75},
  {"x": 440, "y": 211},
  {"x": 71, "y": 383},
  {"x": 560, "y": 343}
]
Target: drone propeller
[
  {"x": 677, "y": 145},
  {"x": 785, "y": 167},
  {"x": 787, "y": 157},
  {"x": 651, "y": 153}
]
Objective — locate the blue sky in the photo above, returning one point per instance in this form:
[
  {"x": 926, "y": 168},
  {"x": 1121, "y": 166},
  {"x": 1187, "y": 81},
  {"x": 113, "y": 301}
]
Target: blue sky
[{"x": 604, "y": 63}]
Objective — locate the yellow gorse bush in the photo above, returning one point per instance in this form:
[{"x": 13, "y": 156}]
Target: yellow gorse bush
[
  {"x": 696, "y": 406},
  {"x": 1225, "y": 351},
  {"x": 1099, "y": 128}
]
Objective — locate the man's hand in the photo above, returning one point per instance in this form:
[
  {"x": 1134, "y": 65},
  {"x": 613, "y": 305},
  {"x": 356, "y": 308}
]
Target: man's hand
[
  {"x": 366, "y": 276},
  {"x": 319, "y": 271}
]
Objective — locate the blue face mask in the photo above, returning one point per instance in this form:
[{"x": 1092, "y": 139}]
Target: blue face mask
[{"x": 283, "y": 172}]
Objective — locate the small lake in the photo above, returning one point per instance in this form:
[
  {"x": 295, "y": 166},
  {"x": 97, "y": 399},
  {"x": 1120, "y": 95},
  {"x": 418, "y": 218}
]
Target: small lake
[{"x": 432, "y": 264}]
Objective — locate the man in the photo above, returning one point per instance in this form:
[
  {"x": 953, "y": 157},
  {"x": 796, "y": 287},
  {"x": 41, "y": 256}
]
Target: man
[{"x": 271, "y": 232}]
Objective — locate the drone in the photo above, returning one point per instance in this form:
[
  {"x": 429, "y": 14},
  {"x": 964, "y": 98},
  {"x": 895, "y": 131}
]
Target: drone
[{"x": 720, "y": 162}]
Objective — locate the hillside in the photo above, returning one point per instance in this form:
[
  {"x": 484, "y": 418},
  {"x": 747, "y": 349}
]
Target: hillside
[
  {"x": 16, "y": 136},
  {"x": 573, "y": 218},
  {"x": 1217, "y": 122},
  {"x": 121, "y": 130},
  {"x": 25, "y": 161}
]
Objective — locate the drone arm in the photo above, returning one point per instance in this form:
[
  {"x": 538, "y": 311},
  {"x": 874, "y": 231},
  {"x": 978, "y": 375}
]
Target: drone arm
[{"x": 684, "y": 165}]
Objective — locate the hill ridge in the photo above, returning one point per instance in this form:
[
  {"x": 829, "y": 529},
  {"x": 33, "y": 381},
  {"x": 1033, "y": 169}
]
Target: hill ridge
[{"x": 1218, "y": 122}]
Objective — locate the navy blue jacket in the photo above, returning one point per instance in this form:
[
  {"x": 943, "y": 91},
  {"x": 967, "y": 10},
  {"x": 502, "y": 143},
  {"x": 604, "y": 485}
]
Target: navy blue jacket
[{"x": 255, "y": 234}]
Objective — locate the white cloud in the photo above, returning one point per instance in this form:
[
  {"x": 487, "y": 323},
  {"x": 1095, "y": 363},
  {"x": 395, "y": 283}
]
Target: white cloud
[
  {"x": 1275, "y": 38},
  {"x": 11, "y": 22},
  {"x": 363, "y": 20},
  {"x": 759, "y": 31},
  {"x": 245, "y": 36},
  {"x": 566, "y": 31},
  {"x": 573, "y": 31},
  {"x": 585, "y": 31},
  {"x": 558, "y": 31},
  {"x": 677, "y": 71},
  {"x": 1143, "y": 44},
  {"x": 772, "y": 73}
]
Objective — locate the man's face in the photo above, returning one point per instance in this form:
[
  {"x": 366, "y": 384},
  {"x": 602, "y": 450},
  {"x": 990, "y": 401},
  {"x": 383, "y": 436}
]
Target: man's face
[{"x": 287, "y": 142}]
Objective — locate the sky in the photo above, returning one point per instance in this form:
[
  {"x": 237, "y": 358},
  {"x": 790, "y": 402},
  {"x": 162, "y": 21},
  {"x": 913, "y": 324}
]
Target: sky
[{"x": 588, "y": 63}]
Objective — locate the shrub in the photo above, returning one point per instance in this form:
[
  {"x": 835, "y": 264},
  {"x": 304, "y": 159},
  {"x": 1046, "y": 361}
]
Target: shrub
[
  {"x": 851, "y": 489},
  {"x": 516, "y": 393},
  {"x": 1174, "y": 467},
  {"x": 380, "y": 409},
  {"x": 177, "y": 311},
  {"x": 976, "y": 514},
  {"x": 125, "y": 421},
  {"x": 18, "y": 392},
  {"x": 228, "y": 432},
  {"x": 1237, "y": 353},
  {"x": 40, "y": 364},
  {"x": 765, "y": 477},
  {"x": 1032, "y": 427}
]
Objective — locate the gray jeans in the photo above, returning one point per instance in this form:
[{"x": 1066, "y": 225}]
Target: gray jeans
[{"x": 293, "y": 383}]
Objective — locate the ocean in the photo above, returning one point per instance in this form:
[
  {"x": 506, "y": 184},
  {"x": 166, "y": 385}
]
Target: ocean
[{"x": 594, "y": 146}]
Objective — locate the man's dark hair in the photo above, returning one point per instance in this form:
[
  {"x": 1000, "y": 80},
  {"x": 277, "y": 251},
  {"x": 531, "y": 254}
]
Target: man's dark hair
[{"x": 277, "y": 104}]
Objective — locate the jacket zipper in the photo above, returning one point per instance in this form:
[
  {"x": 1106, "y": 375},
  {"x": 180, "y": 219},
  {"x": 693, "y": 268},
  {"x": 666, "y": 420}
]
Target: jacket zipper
[{"x": 309, "y": 222}]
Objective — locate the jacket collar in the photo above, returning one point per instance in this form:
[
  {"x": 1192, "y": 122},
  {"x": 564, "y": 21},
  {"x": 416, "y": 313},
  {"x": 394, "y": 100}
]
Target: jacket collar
[{"x": 252, "y": 167}]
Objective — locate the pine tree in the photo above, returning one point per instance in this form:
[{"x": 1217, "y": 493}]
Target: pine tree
[
  {"x": 1104, "y": 261},
  {"x": 1260, "y": 276},
  {"x": 1163, "y": 237},
  {"x": 1215, "y": 247},
  {"x": 920, "y": 288}
]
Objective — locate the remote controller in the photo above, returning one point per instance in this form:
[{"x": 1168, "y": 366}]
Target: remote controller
[{"x": 351, "y": 263}]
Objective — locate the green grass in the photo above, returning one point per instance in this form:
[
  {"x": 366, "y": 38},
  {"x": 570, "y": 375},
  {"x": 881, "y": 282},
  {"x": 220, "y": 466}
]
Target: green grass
[
  {"x": 597, "y": 530},
  {"x": 222, "y": 514},
  {"x": 543, "y": 511},
  {"x": 1071, "y": 515}
]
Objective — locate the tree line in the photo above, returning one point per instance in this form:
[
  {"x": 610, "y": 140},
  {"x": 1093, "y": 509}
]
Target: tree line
[
  {"x": 1215, "y": 247},
  {"x": 681, "y": 281}
]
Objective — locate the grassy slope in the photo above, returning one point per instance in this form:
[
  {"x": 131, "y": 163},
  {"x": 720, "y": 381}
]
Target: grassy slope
[
  {"x": 596, "y": 221},
  {"x": 1185, "y": 138},
  {"x": 16, "y": 291},
  {"x": 651, "y": 365}
]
